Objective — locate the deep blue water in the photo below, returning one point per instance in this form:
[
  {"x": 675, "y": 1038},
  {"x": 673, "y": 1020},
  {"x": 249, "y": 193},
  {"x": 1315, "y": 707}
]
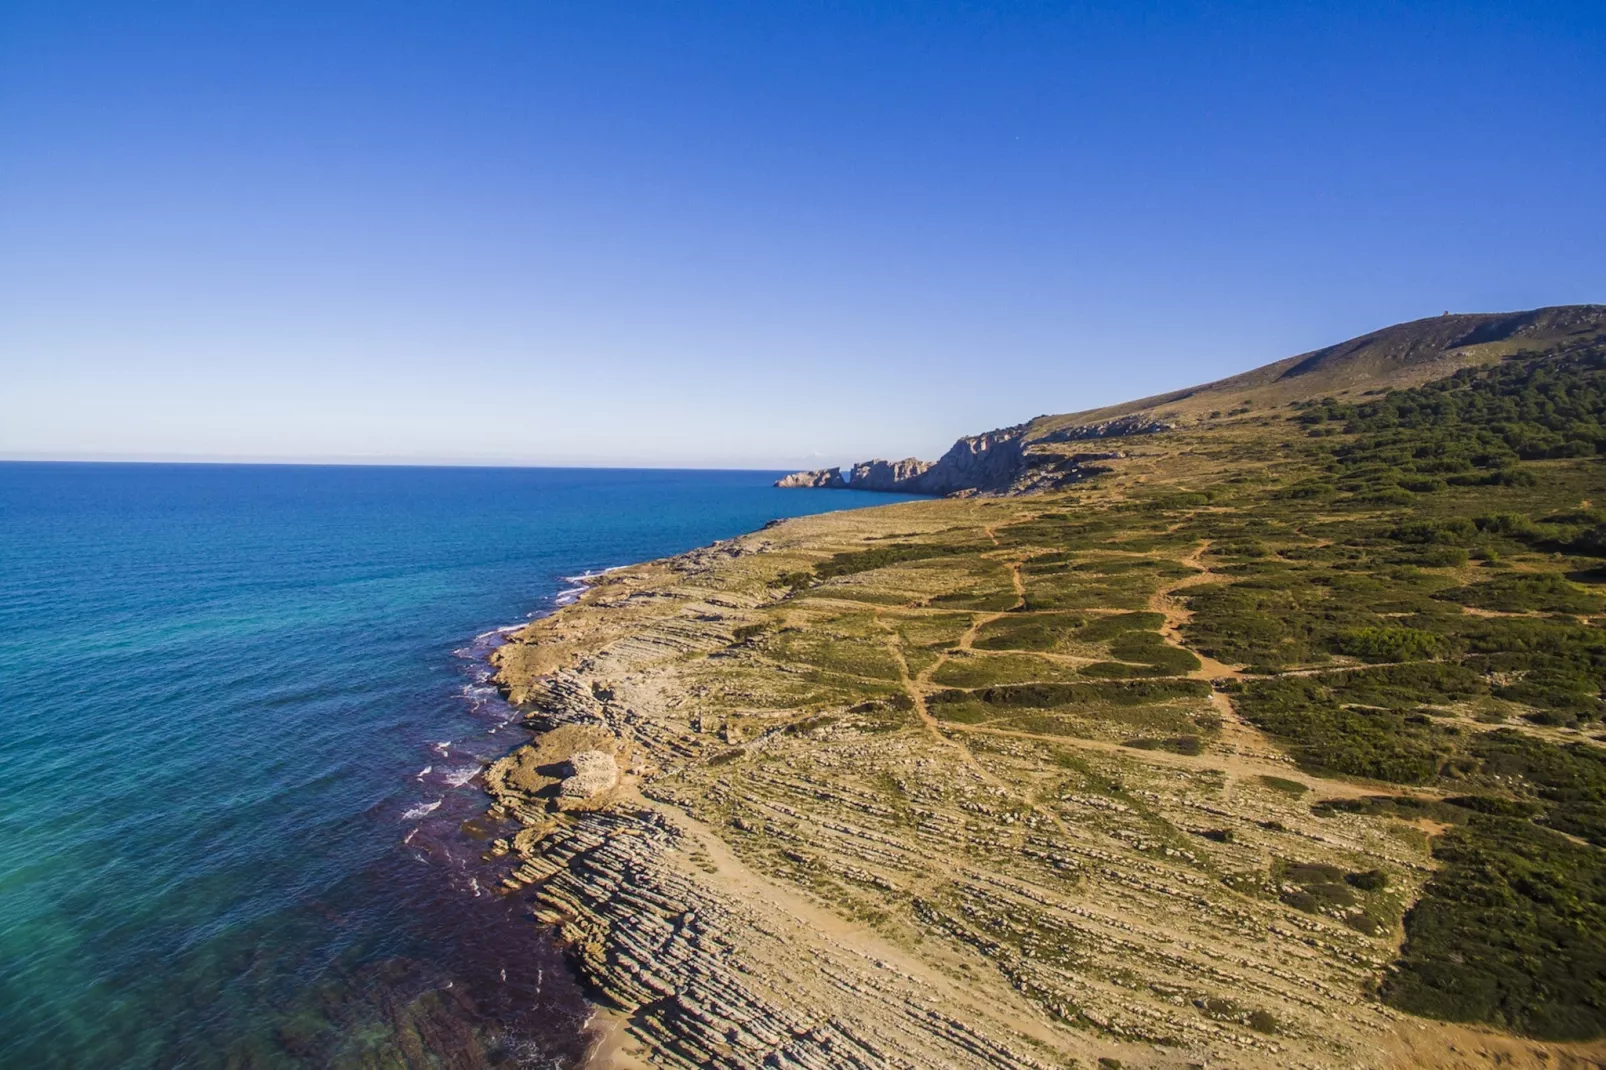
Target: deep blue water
[{"x": 240, "y": 712}]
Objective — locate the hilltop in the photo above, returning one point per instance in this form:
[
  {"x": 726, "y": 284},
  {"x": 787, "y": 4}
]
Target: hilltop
[
  {"x": 1271, "y": 736},
  {"x": 1051, "y": 451}
]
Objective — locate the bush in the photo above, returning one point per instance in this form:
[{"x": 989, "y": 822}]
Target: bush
[
  {"x": 1521, "y": 592},
  {"x": 1388, "y": 643},
  {"x": 1371, "y": 880},
  {"x": 1510, "y": 932}
]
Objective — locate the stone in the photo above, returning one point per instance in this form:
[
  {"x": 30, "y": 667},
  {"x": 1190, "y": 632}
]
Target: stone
[
  {"x": 591, "y": 772},
  {"x": 819, "y": 478}
]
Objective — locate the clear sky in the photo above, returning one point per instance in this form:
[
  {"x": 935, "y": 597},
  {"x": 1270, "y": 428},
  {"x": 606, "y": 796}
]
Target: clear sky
[{"x": 750, "y": 234}]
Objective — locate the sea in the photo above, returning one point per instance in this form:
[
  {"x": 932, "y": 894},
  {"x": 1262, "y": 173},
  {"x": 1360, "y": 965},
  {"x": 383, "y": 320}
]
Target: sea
[{"x": 244, "y": 713}]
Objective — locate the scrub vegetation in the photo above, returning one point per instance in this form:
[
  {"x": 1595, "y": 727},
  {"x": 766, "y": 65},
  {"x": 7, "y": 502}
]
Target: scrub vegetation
[{"x": 1289, "y": 720}]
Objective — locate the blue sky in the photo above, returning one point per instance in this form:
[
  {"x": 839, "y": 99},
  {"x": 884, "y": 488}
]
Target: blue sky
[{"x": 752, "y": 235}]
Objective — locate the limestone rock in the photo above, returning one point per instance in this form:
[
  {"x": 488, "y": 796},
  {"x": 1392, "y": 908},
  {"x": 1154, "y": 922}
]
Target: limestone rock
[
  {"x": 1138, "y": 423},
  {"x": 887, "y": 475},
  {"x": 821, "y": 478},
  {"x": 591, "y": 772},
  {"x": 976, "y": 462}
]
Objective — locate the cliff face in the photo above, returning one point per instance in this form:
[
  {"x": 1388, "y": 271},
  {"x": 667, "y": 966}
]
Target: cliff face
[
  {"x": 976, "y": 462},
  {"x": 830, "y": 478},
  {"x": 888, "y": 475},
  {"x": 986, "y": 464}
]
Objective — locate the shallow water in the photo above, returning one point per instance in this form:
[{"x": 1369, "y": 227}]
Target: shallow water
[{"x": 242, "y": 709}]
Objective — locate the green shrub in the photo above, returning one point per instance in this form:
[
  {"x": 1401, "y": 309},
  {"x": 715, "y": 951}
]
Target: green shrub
[
  {"x": 1510, "y": 931},
  {"x": 1371, "y": 880},
  {"x": 1388, "y": 643},
  {"x": 1175, "y": 744},
  {"x": 1519, "y": 592}
]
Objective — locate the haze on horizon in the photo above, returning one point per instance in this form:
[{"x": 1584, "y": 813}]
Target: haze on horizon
[{"x": 747, "y": 235}]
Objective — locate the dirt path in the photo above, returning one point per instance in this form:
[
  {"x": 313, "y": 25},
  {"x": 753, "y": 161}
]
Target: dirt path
[
  {"x": 1234, "y": 765},
  {"x": 1238, "y": 736},
  {"x": 917, "y": 687},
  {"x": 1244, "y": 751}
]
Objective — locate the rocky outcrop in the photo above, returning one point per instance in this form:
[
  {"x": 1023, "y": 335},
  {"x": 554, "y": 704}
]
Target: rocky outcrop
[
  {"x": 988, "y": 462},
  {"x": 887, "y": 475},
  {"x": 822, "y": 478},
  {"x": 976, "y": 463},
  {"x": 591, "y": 773},
  {"x": 1139, "y": 423},
  {"x": 1050, "y": 471}
]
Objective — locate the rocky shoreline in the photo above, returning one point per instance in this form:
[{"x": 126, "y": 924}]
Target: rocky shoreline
[
  {"x": 733, "y": 971},
  {"x": 975, "y": 781},
  {"x": 744, "y": 882}
]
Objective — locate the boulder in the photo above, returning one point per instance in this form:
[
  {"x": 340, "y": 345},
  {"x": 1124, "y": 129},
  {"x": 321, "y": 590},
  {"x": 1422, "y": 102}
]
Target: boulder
[{"x": 591, "y": 772}]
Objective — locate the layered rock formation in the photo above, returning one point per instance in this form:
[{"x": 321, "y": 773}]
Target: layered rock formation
[
  {"x": 888, "y": 475},
  {"x": 1139, "y": 423},
  {"x": 817, "y": 478},
  {"x": 794, "y": 877},
  {"x": 993, "y": 463}
]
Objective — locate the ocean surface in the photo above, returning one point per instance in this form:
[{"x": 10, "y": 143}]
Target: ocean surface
[{"x": 242, "y": 710}]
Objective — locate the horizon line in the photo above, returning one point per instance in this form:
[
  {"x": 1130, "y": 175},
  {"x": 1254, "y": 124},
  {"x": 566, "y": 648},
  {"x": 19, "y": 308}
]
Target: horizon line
[{"x": 365, "y": 462}]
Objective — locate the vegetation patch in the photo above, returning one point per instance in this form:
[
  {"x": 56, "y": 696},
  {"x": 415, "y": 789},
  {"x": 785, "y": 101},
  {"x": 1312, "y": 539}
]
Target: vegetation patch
[
  {"x": 1519, "y": 593},
  {"x": 1324, "y": 733},
  {"x": 1510, "y": 932},
  {"x": 1175, "y": 744},
  {"x": 1037, "y": 631}
]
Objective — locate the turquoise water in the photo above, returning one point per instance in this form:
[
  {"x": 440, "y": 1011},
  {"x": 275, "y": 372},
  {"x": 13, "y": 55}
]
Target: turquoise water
[{"x": 241, "y": 710}]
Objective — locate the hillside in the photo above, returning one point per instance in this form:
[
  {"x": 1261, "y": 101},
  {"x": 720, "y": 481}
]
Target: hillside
[
  {"x": 1269, "y": 739},
  {"x": 1044, "y": 452},
  {"x": 1394, "y": 358}
]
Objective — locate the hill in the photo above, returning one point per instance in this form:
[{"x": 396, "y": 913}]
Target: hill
[
  {"x": 1035, "y": 455},
  {"x": 1274, "y": 738}
]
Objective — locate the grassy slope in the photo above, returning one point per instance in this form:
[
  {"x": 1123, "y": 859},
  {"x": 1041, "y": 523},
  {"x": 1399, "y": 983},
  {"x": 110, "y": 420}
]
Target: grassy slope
[
  {"x": 1095, "y": 695},
  {"x": 1412, "y": 587}
]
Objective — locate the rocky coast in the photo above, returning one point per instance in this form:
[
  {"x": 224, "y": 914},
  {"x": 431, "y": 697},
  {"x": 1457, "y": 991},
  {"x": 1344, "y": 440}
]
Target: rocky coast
[
  {"x": 992, "y": 781},
  {"x": 757, "y": 880}
]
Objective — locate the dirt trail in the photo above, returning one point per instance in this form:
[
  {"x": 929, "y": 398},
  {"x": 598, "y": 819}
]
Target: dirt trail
[
  {"x": 1246, "y": 752},
  {"x": 1238, "y": 736},
  {"x": 1236, "y": 766},
  {"x": 918, "y": 685},
  {"x": 1164, "y": 602}
]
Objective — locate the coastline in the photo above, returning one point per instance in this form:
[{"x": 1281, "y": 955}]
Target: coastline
[
  {"x": 685, "y": 895},
  {"x": 692, "y": 956}
]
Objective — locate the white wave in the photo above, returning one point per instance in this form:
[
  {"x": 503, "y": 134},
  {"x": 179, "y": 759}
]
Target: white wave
[
  {"x": 499, "y": 631},
  {"x": 458, "y": 777},
  {"x": 421, "y": 810},
  {"x": 422, "y": 773},
  {"x": 442, "y": 747},
  {"x": 578, "y": 585}
]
